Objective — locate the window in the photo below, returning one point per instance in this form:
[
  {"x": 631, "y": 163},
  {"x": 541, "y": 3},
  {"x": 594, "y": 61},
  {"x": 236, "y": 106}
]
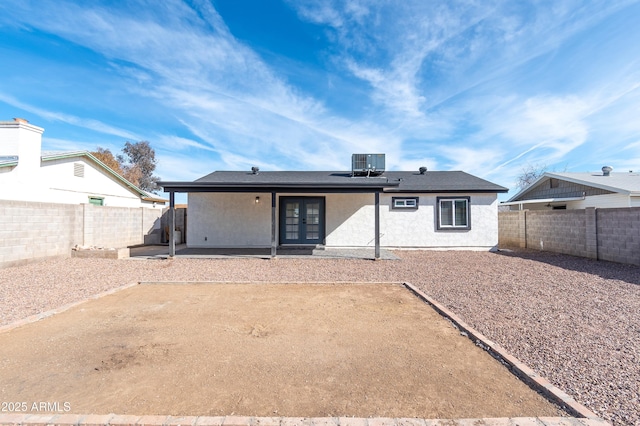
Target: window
[
  {"x": 404, "y": 203},
  {"x": 96, "y": 201},
  {"x": 453, "y": 213}
]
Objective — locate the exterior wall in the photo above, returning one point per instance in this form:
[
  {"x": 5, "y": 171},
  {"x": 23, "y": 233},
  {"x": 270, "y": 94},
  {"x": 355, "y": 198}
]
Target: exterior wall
[
  {"x": 564, "y": 189},
  {"x": 235, "y": 220},
  {"x": 53, "y": 181},
  {"x": 23, "y": 140},
  {"x": 64, "y": 187},
  {"x": 229, "y": 220},
  {"x": 605, "y": 234},
  {"x": 602, "y": 201},
  {"x": 31, "y": 231},
  {"x": 350, "y": 222}
]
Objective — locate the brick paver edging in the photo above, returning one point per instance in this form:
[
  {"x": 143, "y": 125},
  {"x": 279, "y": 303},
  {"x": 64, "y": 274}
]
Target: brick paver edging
[
  {"x": 584, "y": 416},
  {"x": 530, "y": 377},
  {"x": 126, "y": 420}
]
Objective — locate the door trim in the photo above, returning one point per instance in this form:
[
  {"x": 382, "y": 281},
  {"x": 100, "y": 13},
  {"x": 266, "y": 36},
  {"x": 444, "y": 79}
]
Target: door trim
[{"x": 281, "y": 220}]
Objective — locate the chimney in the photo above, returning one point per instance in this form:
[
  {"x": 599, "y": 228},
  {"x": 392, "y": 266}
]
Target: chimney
[{"x": 606, "y": 170}]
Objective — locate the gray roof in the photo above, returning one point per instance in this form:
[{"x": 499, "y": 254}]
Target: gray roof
[
  {"x": 627, "y": 183},
  {"x": 623, "y": 183},
  {"x": 431, "y": 181}
]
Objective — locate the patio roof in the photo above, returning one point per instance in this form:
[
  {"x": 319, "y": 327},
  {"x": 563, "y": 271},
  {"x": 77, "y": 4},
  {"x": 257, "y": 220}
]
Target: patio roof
[{"x": 334, "y": 181}]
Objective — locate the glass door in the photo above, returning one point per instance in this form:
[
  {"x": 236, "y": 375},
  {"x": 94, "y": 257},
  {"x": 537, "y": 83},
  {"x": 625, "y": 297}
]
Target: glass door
[{"x": 301, "y": 220}]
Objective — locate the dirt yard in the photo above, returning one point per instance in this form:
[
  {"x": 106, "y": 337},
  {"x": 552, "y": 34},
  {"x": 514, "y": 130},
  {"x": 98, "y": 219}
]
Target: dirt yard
[{"x": 259, "y": 350}]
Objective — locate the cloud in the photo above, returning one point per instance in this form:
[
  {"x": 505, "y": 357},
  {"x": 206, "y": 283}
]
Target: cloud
[
  {"x": 87, "y": 123},
  {"x": 454, "y": 84}
]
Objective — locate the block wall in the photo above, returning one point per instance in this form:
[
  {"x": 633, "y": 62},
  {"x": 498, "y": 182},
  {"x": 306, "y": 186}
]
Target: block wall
[
  {"x": 605, "y": 234},
  {"x": 618, "y": 235},
  {"x": 511, "y": 229},
  {"x": 562, "y": 231},
  {"x": 31, "y": 231}
]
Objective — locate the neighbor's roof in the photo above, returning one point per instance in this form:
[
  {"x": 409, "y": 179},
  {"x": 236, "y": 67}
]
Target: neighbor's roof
[
  {"x": 57, "y": 155},
  {"x": 623, "y": 183},
  {"x": 438, "y": 181}
]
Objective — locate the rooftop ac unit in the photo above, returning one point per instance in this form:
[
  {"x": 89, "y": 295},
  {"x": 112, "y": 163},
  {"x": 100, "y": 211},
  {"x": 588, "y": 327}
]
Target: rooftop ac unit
[{"x": 367, "y": 164}]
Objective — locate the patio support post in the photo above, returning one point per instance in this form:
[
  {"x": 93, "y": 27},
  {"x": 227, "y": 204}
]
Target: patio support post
[
  {"x": 172, "y": 223},
  {"x": 377, "y": 226},
  {"x": 273, "y": 224}
]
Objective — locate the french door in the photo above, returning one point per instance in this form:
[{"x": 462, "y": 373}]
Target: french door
[{"x": 302, "y": 220}]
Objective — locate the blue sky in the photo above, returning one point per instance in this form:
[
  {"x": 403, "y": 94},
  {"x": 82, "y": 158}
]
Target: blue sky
[{"x": 485, "y": 87}]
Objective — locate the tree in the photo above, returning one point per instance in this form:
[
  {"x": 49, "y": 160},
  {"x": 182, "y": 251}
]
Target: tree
[
  {"x": 107, "y": 158},
  {"x": 529, "y": 174},
  {"x": 136, "y": 164},
  {"x": 139, "y": 162}
]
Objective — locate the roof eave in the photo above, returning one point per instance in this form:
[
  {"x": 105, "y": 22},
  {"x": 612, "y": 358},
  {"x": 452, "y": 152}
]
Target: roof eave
[
  {"x": 541, "y": 200},
  {"x": 444, "y": 190}
]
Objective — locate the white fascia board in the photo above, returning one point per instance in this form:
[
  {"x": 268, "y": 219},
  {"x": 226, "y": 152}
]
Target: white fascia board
[{"x": 541, "y": 200}]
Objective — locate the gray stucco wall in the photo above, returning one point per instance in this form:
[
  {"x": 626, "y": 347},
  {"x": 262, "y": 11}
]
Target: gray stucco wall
[{"x": 31, "y": 231}]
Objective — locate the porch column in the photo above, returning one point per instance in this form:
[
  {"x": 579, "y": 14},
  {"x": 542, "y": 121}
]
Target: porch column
[
  {"x": 377, "y": 225},
  {"x": 273, "y": 224},
  {"x": 172, "y": 223}
]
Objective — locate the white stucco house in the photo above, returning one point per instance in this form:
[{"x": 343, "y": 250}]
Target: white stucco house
[
  {"x": 74, "y": 177},
  {"x": 364, "y": 207},
  {"x": 569, "y": 191}
]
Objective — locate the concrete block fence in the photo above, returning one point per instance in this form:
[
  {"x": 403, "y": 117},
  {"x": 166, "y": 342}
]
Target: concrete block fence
[
  {"x": 30, "y": 231},
  {"x": 604, "y": 234}
]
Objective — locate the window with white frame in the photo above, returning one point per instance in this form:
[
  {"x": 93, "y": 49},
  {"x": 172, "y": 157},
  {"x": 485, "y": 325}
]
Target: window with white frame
[
  {"x": 404, "y": 203},
  {"x": 454, "y": 213}
]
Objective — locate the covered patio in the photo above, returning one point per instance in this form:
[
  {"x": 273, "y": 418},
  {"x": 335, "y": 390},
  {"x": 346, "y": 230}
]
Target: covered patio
[{"x": 280, "y": 184}]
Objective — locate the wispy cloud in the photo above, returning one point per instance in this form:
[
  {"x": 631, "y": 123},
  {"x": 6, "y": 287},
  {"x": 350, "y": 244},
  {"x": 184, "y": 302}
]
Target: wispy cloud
[
  {"x": 457, "y": 84},
  {"x": 87, "y": 123}
]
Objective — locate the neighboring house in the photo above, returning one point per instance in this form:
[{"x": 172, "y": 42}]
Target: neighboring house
[
  {"x": 560, "y": 191},
  {"x": 366, "y": 207},
  {"x": 78, "y": 177}
]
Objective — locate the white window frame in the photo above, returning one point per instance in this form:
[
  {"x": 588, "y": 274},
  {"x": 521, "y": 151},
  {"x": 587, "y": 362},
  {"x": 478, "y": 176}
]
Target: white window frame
[
  {"x": 454, "y": 226},
  {"x": 404, "y": 203}
]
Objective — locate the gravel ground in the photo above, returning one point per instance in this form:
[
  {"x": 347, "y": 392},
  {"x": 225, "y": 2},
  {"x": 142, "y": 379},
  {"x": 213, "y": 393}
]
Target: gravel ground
[{"x": 575, "y": 321}]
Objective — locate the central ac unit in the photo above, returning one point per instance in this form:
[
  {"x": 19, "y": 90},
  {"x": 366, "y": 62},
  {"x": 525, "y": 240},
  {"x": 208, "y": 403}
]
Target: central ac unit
[{"x": 367, "y": 164}]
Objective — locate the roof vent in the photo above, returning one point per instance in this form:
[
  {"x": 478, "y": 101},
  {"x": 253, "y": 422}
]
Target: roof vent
[
  {"x": 606, "y": 170},
  {"x": 367, "y": 164},
  {"x": 423, "y": 170},
  {"x": 255, "y": 170}
]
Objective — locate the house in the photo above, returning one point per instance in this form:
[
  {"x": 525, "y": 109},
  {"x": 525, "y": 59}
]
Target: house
[
  {"x": 29, "y": 174},
  {"x": 569, "y": 191},
  {"x": 364, "y": 207}
]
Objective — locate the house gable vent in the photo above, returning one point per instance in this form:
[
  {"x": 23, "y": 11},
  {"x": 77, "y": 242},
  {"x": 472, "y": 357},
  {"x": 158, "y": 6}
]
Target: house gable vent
[
  {"x": 367, "y": 164},
  {"x": 78, "y": 170}
]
